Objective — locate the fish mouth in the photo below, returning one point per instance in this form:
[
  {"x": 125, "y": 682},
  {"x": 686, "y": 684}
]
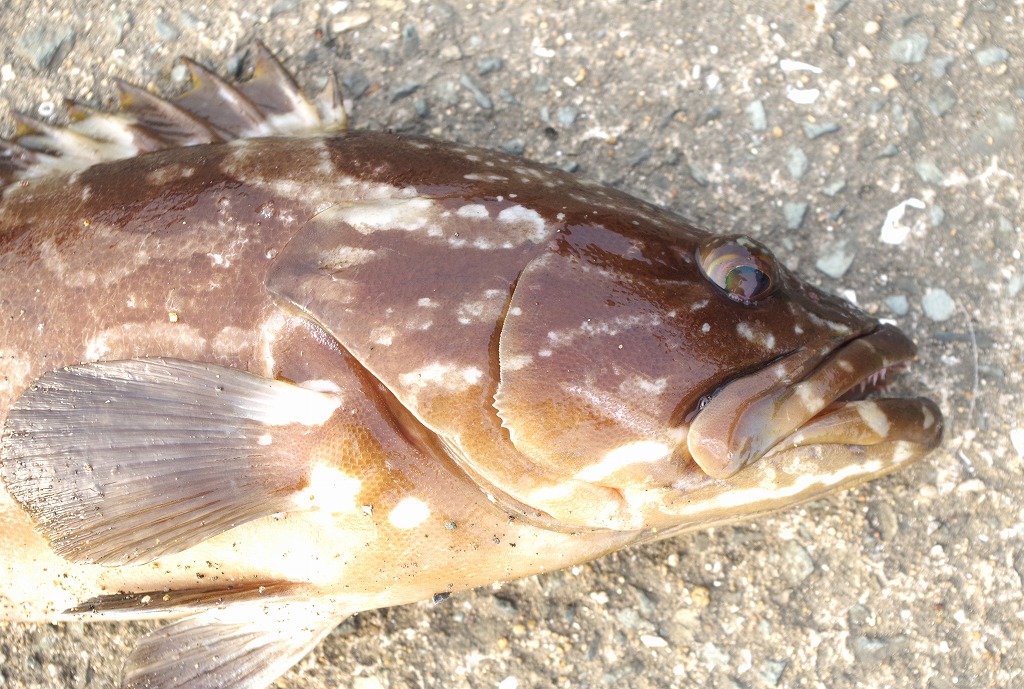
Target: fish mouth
[{"x": 815, "y": 397}]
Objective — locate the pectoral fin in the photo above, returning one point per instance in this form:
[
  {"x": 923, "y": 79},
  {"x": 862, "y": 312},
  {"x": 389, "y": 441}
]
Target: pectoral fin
[
  {"x": 120, "y": 462},
  {"x": 244, "y": 646}
]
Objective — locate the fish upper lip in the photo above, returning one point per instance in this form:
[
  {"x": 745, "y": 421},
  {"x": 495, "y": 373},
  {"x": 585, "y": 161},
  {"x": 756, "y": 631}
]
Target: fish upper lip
[{"x": 752, "y": 415}]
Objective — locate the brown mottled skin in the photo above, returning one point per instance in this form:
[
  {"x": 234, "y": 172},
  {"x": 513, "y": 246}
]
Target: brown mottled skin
[{"x": 215, "y": 253}]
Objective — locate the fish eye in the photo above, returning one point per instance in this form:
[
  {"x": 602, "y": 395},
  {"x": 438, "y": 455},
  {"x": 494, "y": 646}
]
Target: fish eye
[{"x": 739, "y": 266}]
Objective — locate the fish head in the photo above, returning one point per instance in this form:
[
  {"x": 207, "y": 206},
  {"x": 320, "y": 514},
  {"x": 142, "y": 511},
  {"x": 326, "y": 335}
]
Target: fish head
[{"x": 698, "y": 376}]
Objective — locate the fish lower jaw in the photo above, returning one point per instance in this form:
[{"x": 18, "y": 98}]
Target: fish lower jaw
[{"x": 756, "y": 415}]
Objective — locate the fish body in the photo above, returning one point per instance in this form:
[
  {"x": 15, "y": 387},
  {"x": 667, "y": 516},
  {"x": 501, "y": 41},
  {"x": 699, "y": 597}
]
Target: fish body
[{"x": 260, "y": 373}]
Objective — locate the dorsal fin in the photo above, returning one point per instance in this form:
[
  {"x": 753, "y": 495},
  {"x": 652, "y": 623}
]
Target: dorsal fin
[{"x": 269, "y": 103}]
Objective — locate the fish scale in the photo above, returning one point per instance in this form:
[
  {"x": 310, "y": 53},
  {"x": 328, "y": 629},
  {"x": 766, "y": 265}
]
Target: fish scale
[{"x": 308, "y": 371}]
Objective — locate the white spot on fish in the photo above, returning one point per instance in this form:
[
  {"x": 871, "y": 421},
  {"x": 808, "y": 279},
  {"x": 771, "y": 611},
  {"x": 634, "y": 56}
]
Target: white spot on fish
[
  {"x": 528, "y": 219},
  {"x": 339, "y": 258},
  {"x": 706, "y": 328},
  {"x": 426, "y": 303},
  {"x": 515, "y": 363},
  {"x": 383, "y": 335},
  {"x": 639, "y": 452},
  {"x": 321, "y": 385},
  {"x": 265, "y": 440},
  {"x": 386, "y": 214},
  {"x": 874, "y": 418},
  {"x": 764, "y": 339},
  {"x": 472, "y": 210},
  {"x": 287, "y": 404},
  {"x": 330, "y": 490},
  {"x": 446, "y": 376},
  {"x": 485, "y": 177},
  {"x": 697, "y": 306},
  {"x": 409, "y": 513}
]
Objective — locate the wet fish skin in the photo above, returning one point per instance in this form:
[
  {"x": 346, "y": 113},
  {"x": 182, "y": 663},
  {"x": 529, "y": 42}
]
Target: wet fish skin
[{"x": 261, "y": 373}]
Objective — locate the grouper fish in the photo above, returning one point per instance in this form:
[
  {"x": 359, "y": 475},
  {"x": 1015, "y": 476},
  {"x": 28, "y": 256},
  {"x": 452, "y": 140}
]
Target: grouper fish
[{"x": 259, "y": 372}]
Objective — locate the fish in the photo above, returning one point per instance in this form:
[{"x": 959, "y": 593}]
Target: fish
[{"x": 260, "y": 371}]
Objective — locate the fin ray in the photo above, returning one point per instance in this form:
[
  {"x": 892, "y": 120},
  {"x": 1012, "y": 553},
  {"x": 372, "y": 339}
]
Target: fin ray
[
  {"x": 123, "y": 461},
  {"x": 213, "y": 110},
  {"x": 243, "y": 646}
]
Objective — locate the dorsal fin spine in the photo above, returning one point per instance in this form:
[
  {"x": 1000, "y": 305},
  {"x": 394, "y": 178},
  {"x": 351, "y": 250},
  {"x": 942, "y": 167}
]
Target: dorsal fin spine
[{"x": 213, "y": 110}]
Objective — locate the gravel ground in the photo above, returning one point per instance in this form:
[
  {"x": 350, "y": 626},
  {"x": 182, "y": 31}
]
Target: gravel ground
[{"x": 810, "y": 126}]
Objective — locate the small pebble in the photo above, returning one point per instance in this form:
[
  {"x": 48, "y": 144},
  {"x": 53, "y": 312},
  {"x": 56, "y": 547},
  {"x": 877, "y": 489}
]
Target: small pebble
[
  {"x": 451, "y": 53},
  {"x": 937, "y": 304},
  {"x": 836, "y": 259},
  {"x": 898, "y": 304},
  {"x": 653, "y": 641},
  {"x": 486, "y": 65},
  {"x": 167, "y": 30},
  {"x": 698, "y": 175},
  {"x": 1015, "y": 285},
  {"x": 940, "y": 66},
  {"x": 797, "y": 162},
  {"x": 834, "y": 188},
  {"x": 410, "y": 41},
  {"x": 889, "y": 151},
  {"x": 991, "y": 56},
  {"x": 910, "y": 50},
  {"x": 797, "y": 564},
  {"x": 404, "y": 90},
  {"x": 942, "y": 101},
  {"x": 757, "y": 116},
  {"x": 481, "y": 98},
  {"x": 794, "y": 214},
  {"x": 43, "y": 45},
  {"x": 514, "y": 147},
  {"x": 567, "y": 115},
  {"x": 938, "y": 216},
  {"x": 929, "y": 172},
  {"x": 356, "y": 84},
  {"x": 350, "y": 21},
  {"x": 1017, "y": 440},
  {"x": 771, "y": 672},
  {"x": 812, "y": 130}
]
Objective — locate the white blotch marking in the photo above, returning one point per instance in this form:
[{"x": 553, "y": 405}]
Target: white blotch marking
[
  {"x": 874, "y": 418},
  {"x": 639, "y": 452},
  {"x": 845, "y": 365},
  {"x": 343, "y": 257},
  {"x": 321, "y": 385},
  {"x": 706, "y": 328},
  {"x": 383, "y": 335},
  {"x": 409, "y": 513},
  {"x": 797, "y": 330},
  {"x": 446, "y": 376},
  {"x": 528, "y": 219},
  {"x": 515, "y": 363},
  {"x": 287, "y": 404},
  {"x": 764, "y": 339},
  {"x": 472, "y": 210},
  {"x": 697, "y": 306},
  {"x": 485, "y": 177},
  {"x": 810, "y": 397},
  {"x": 771, "y": 493},
  {"x": 426, "y": 303},
  {"x": 265, "y": 439},
  {"x": 387, "y": 214},
  {"x": 330, "y": 490}
]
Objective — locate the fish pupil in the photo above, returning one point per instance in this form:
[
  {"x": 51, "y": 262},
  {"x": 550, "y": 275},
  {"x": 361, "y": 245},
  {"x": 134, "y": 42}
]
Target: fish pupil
[{"x": 746, "y": 282}]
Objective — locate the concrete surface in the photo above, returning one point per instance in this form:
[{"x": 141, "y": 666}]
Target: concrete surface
[{"x": 800, "y": 123}]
